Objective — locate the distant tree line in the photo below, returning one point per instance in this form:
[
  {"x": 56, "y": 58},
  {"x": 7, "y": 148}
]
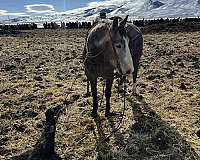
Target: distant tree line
[
  {"x": 192, "y": 19},
  {"x": 52, "y": 25},
  {"x": 19, "y": 27},
  {"x": 142, "y": 23},
  {"x": 68, "y": 25},
  {"x": 86, "y": 25}
]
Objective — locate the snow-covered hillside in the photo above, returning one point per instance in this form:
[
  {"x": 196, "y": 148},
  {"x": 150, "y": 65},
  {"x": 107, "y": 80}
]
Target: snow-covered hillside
[{"x": 136, "y": 9}]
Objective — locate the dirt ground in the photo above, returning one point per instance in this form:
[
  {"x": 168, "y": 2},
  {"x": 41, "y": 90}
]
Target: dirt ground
[{"x": 38, "y": 67}]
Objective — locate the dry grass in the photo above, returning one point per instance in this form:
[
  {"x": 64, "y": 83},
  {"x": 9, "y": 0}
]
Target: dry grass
[{"x": 36, "y": 72}]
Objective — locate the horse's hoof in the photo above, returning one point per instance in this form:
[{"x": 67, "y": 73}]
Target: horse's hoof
[
  {"x": 110, "y": 114},
  {"x": 87, "y": 95},
  {"x": 94, "y": 114}
]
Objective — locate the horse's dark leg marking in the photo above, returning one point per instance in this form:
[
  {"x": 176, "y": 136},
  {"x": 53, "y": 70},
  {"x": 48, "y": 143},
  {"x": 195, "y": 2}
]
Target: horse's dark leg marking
[
  {"x": 136, "y": 65},
  {"x": 109, "y": 83},
  {"x": 94, "y": 95},
  {"x": 88, "y": 88}
]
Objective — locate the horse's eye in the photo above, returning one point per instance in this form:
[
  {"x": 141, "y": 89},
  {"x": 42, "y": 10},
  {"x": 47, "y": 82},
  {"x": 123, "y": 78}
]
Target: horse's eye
[{"x": 118, "y": 46}]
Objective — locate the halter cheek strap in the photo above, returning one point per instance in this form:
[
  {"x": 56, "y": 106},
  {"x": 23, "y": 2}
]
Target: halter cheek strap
[{"x": 115, "y": 52}]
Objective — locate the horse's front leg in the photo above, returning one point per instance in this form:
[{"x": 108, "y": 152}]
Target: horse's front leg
[
  {"x": 94, "y": 96},
  {"x": 88, "y": 88},
  {"x": 136, "y": 67},
  {"x": 109, "y": 83}
]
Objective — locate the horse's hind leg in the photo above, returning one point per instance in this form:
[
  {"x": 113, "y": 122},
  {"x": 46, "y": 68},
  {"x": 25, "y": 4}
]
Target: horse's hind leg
[
  {"x": 88, "y": 89},
  {"x": 134, "y": 92},
  {"x": 94, "y": 96},
  {"x": 136, "y": 60},
  {"x": 109, "y": 83}
]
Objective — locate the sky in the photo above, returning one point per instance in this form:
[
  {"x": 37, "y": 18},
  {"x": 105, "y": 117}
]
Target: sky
[{"x": 14, "y": 8}]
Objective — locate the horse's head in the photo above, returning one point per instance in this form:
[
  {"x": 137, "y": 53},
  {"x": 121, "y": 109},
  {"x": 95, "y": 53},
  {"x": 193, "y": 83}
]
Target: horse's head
[{"x": 120, "y": 43}]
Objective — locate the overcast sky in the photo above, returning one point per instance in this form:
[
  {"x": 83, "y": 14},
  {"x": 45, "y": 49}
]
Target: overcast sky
[{"x": 13, "y": 8}]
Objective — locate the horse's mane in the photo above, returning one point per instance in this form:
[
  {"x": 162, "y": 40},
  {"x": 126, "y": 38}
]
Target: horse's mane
[{"x": 101, "y": 23}]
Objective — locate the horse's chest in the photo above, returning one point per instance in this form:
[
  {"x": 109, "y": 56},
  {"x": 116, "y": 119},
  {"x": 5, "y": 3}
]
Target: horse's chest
[{"x": 98, "y": 69}]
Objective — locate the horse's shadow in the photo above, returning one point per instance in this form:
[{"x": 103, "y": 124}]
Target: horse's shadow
[
  {"x": 149, "y": 138},
  {"x": 102, "y": 145}
]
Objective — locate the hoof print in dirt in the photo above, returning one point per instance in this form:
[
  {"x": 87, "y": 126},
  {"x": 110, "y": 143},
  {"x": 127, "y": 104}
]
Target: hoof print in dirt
[
  {"x": 52, "y": 49},
  {"x": 183, "y": 86},
  {"x": 38, "y": 78}
]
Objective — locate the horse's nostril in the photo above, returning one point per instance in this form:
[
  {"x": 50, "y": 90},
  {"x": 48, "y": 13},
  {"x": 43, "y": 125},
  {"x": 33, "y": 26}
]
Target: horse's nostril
[{"x": 128, "y": 72}]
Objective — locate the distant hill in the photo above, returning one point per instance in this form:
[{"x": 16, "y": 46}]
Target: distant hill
[{"x": 136, "y": 9}]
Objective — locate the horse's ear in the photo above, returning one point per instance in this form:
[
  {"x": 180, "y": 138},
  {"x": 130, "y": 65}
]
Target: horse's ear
[
  {"x": 123, "y": 22},
  {"x": 115, "y": 24}
]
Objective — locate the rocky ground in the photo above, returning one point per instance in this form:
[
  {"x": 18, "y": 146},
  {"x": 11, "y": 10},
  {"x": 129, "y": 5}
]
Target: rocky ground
[{"x": 37, "y": 69}]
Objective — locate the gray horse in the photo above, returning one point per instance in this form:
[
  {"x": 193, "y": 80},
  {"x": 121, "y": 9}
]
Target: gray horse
[{"x": 106, "y": 49}]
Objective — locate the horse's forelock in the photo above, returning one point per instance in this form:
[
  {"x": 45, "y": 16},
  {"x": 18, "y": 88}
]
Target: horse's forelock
[{"x": 122, "y": 31}]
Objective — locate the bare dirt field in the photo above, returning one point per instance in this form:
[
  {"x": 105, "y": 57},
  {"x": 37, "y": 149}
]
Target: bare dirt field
[{"x": 38, "y": 67}]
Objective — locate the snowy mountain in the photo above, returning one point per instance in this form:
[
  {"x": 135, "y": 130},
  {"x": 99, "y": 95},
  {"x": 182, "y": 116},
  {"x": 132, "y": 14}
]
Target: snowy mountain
[{"x": 136, "y": 9}]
